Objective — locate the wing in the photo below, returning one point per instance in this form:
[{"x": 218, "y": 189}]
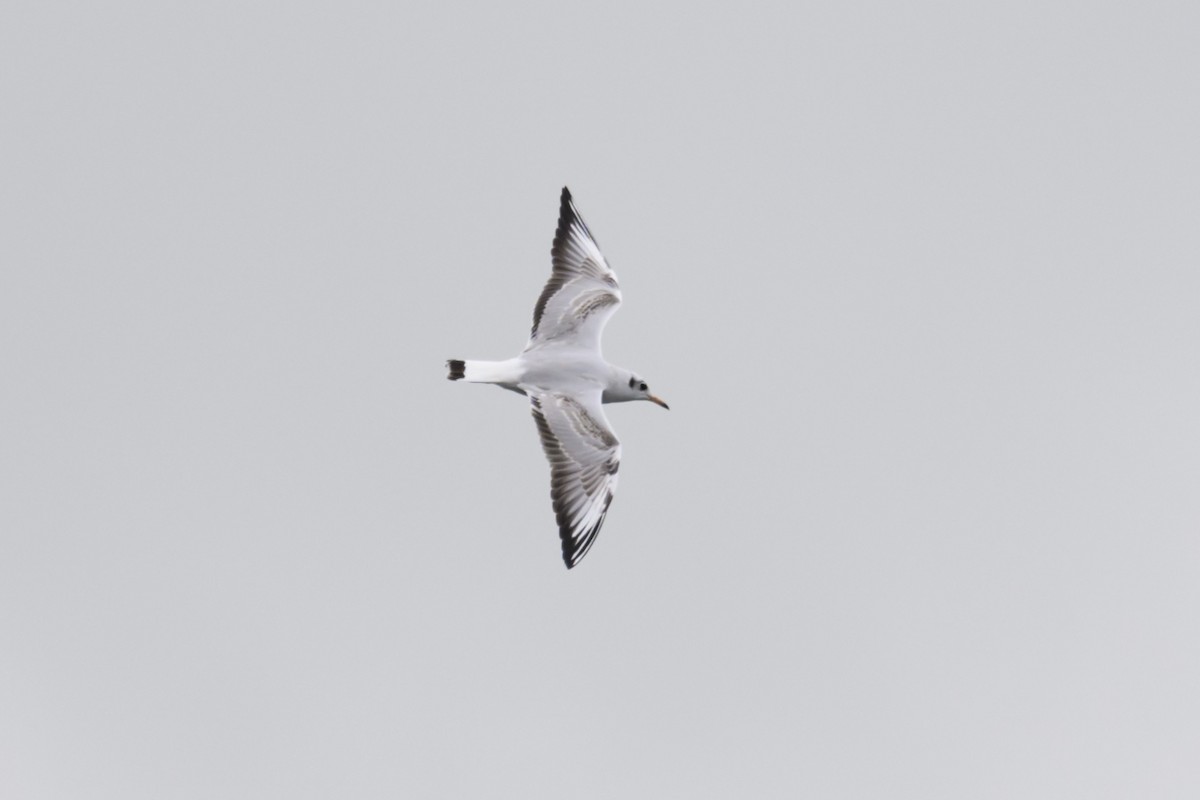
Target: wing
[
  {"x": 582, "y": 292},
  {"x": 584, "y": 455}
]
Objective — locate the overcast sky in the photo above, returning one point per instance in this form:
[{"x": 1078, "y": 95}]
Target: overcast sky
[{"x": 921, "y": 283}]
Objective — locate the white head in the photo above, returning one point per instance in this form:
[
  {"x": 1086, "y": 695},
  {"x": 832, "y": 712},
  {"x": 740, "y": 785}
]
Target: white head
[{"x": 626, "y": 386}]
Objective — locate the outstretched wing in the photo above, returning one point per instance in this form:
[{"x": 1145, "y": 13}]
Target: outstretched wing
[
  {"x": 582, "y": 292},
  {"x": 584, "y": 455}
]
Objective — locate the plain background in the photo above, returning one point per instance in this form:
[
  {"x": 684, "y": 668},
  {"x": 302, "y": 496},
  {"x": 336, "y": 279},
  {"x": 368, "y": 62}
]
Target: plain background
[{"x": 921, "y": 282}]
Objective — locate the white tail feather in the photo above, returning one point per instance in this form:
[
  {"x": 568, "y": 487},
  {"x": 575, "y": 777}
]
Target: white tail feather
[{"x": 505, "y": 373}]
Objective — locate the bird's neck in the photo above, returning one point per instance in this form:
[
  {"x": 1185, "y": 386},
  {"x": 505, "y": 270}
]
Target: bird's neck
[{"x": 617, "y": 390}]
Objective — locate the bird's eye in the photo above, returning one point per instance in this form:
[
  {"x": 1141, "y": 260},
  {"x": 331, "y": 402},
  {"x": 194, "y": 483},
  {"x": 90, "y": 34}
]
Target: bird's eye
[{"x": 644, "y": 387}]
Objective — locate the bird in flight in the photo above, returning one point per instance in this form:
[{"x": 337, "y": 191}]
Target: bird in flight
[{"x": 567, "y": 380}]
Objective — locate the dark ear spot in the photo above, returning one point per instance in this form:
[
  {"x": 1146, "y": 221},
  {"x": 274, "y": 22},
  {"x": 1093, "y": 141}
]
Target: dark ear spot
[{"x": 632, "y": 381}]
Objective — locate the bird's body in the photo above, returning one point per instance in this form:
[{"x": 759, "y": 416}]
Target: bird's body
[
  {"x": 567, "y": 380},
  {"x": 567, "y": 369}
]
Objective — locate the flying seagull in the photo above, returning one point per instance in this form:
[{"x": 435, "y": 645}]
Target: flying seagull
[{"x": 566, "y": 379}]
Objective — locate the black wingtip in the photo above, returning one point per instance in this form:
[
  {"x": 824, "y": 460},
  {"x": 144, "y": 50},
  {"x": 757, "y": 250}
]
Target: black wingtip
[
  {"x": 458, "y": 369},
  {"x": 566, "y": 208},
  {"x": 571, "y": 554},
  {"x": 568, "y": 216}
]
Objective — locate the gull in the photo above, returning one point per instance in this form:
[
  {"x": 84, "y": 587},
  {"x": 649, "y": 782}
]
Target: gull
[{"x": 567, "y": 380}]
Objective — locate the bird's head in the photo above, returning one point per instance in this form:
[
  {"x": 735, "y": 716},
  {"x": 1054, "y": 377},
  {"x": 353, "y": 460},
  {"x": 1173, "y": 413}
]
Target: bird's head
[{"x": 635, "y": 388}]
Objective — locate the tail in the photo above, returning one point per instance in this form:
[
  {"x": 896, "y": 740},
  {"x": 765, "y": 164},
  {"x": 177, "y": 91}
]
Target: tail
[{"x": 505, "y": 373}]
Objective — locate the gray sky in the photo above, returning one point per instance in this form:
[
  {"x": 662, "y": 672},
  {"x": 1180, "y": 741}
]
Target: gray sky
[{"x": 920, "y": 281}]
